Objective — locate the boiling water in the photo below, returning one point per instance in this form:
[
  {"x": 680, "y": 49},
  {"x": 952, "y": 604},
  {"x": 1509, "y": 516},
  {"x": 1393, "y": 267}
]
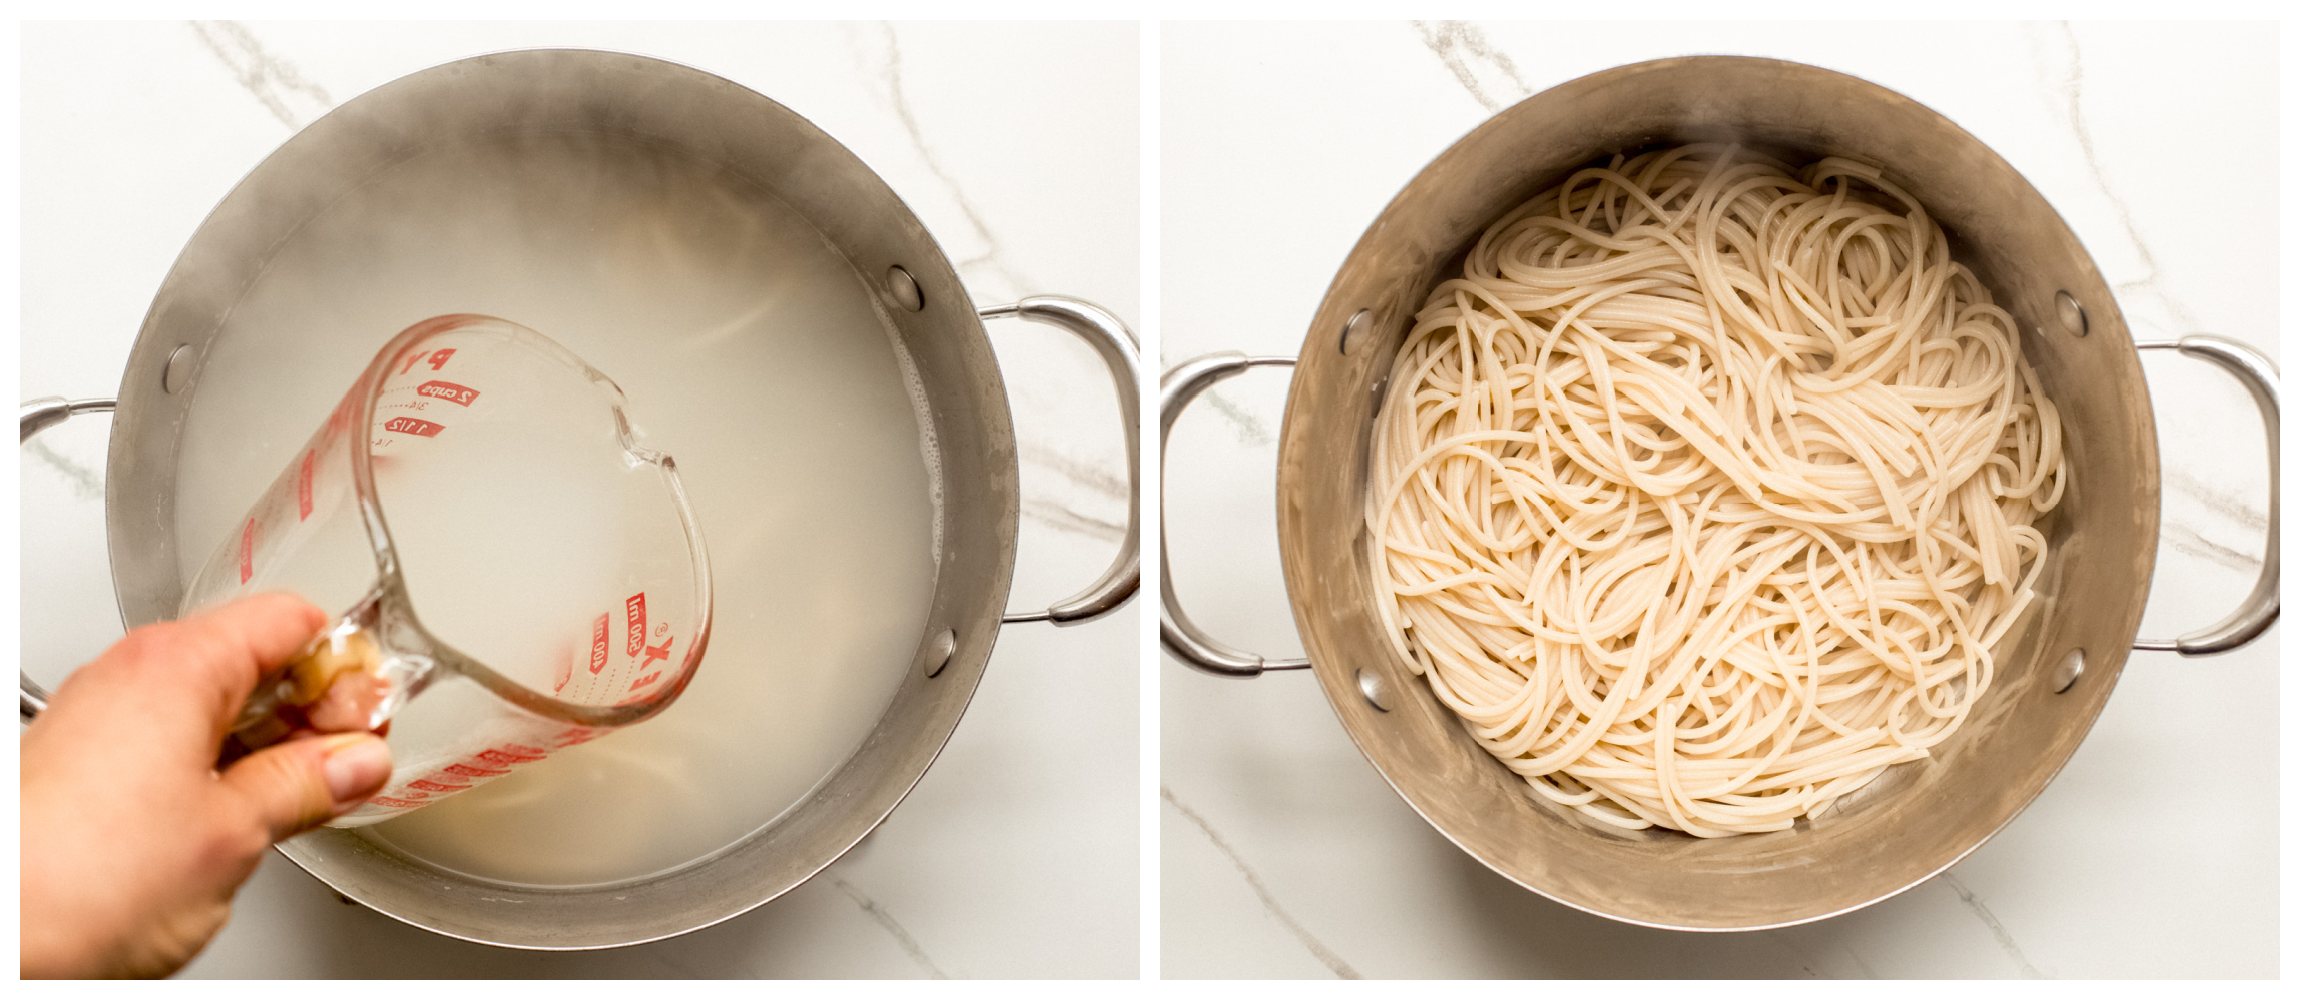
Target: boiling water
[{"x": 749, "y": 350}]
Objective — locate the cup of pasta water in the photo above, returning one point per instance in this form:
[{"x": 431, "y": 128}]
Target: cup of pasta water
[{"x": 512, "y": 570}]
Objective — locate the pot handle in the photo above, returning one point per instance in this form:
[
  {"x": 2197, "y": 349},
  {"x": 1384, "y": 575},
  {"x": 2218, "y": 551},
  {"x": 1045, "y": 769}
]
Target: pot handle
[
  {"x": 1181, "y": 637},
  {"x": 2259, "y": 609},
  {"x": 32, "y": 418},
  {"x": 1115, "y": 343}
]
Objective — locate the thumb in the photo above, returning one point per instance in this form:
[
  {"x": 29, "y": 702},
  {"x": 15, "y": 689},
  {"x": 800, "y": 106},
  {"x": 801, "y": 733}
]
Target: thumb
[{"x": 302, "y": 783}]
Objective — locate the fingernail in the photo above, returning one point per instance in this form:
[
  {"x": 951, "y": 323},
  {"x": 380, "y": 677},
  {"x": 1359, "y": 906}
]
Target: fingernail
[{"x": 357, "y": 764}]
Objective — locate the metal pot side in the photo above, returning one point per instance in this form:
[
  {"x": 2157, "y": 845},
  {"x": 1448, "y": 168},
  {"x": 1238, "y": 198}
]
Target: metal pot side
[
  {"x": 1920, "y": 818},
  {"x": 668, "y": 109}
]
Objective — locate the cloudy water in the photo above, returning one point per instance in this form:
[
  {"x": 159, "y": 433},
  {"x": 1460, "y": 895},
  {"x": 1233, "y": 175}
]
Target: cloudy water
[{"x": 748, "y": 350}]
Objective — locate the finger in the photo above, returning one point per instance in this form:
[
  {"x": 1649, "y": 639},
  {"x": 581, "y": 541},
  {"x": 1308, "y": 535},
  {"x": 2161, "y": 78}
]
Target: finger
[
  {"x": 212, "y": 659},
  {"x": 349, "y": 703},
  {"x": 254, "y": 634},
  {"x": 176, "y": 685},
  {"x": 300, "y": 784}
]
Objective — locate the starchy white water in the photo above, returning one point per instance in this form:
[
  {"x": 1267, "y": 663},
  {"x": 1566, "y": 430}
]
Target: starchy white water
[{"x": 748, "y": 349}]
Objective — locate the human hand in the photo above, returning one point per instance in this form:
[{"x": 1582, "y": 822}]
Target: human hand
[{"x": 133, "y": 843}]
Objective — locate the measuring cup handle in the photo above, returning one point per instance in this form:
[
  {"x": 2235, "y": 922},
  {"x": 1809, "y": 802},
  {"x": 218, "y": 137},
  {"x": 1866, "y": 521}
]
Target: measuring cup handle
[
  {"x": 1115, "y": 343},
  {"x": 1176, "y": 632},
  {"x": 2260, "y": 608},
  {"x": 32, "y": 418}
]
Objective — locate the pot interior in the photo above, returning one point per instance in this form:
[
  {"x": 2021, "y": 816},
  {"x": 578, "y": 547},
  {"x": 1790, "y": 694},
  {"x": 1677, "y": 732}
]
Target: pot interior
[
  {"x": 725, "y": 262},
  {"x": 1920, "y": 817}
]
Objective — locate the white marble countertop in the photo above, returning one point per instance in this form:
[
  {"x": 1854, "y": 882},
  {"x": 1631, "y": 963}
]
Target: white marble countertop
[
  {"x": 1016, "y": 144},
  {"x": 1282, "y": 851}
]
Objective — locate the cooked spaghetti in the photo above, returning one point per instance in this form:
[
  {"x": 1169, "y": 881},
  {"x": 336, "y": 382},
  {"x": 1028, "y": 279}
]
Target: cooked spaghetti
[{"x": 1706, "y": 490}]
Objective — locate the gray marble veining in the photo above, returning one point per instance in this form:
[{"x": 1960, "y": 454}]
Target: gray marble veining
[
  {"x": 1251, "y": 431},
  {"x": 1326, "y": 956},
  {"x": 894, "y": 928},
  {"x": 1099, "y": 485},
  {"x": 2213, "y": 523},
  {"x": 87, "y": 484},
  {"x": 1485, "y": 71},
  {"x": 268, "y": 77},
  {"x": 1094, "y": 477},
  {"x": 1996, "y": 927},
  {"x": 980, "y": 258},
  {"x": 2200, "y": 520},
  {"x": 1053, "y": 514},
  {"x": 2068, "y": 82}
]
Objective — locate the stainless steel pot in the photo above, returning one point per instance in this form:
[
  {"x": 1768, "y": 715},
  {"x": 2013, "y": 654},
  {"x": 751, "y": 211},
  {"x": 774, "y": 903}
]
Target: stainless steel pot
[
  {"x": 2053, "y": 678},
  {"x": 618, "y": 101}
]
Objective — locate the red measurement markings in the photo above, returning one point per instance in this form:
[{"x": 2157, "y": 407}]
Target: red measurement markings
[
  {"x": 577, "y": 734},
  {"x": 248, "y": 551},
  {"x": 460, "y": 395},
  {"x": 462, "y": 775},
  {"x": 437, "y": 358},
  {"x": 303, "y": 486},
  {"x": 508, "y": 754},
  {"x": 471, "y": 770},
  {"x": 410, "y": 425},
  {"x": 598, "y": 643},
  {"x": 635, "y": 615}
]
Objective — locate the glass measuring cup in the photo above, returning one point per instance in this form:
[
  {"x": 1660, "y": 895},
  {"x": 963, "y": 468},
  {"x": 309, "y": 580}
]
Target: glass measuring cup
[{"x": 561, "y": 580}]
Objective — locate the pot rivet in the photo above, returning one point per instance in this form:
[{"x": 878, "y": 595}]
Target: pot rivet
[
  {"x": 1376, "y": 693},
  {"x": 179, "y": 372},
  {"x": 1358, "y": 324},
  {"x": 2070, "y": 668},
  {"x": 937, "y": 652},
  {"x": 904, "y": 289},
  {"x": 2071, "y": 314}
]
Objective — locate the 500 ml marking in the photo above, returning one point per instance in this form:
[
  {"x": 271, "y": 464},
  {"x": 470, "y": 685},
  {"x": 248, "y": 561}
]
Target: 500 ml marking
[
  {"x": 635, "y": 619},
  {"x": 635, "y": 614}
]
